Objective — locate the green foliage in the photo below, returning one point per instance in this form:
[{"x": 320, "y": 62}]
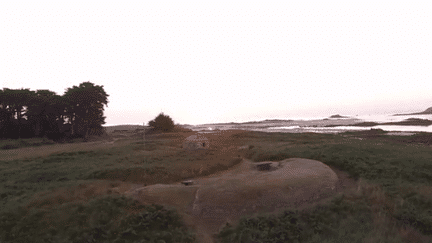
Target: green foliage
[
  {"x": 324, "y": 222},
  {"x": 162, "y": 123},
  {"x": 103, "y": 219},
  {"x": 85, "y": 105},
  {"x": 416, "y": 211},
  {"x": 25, "y": 113}
]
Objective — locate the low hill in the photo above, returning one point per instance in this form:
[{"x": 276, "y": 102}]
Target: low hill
[
  {"x": 407, "y": 122},
  {"x": 338, "y": 116},
  {"x": 428, "y": 111}
]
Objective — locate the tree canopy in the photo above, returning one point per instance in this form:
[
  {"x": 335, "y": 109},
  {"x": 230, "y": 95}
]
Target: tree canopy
[
  {"x": 77, "y": 113},
  {"x": 162, "y": 123}
]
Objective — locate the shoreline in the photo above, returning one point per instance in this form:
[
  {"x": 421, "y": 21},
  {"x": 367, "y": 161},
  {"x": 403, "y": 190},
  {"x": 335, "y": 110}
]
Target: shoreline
[
  {"x": 326, "y": 125},
  {"x": 329, "y": 126}
]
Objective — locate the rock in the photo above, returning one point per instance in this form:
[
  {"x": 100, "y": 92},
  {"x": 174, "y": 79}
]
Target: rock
[
  {"x": 187, "y": 183},
  {"x": 114, "y": 190},
  {"x": 246, "y": 147},
  {"x": 266, "y": 166}
]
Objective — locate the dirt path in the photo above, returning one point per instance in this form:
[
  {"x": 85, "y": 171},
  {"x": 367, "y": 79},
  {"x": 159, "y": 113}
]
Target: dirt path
[{"x": 212, "y": 201}]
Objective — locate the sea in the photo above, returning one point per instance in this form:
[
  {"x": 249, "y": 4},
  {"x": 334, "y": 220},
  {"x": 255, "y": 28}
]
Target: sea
[
  {"x": 363, "y": 118},
  {"x": 379, "y": 118}
]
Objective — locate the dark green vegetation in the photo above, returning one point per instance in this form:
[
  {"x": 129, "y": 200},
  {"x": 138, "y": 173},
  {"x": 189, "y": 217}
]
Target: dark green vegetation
[
  {"x": 42, "y": 113},
  {"x": 162, "y": 123},
  {"x": 20, "y": 143},
  {"x": 105, "y": 219},
  {"x": 339, "y": 221},
  {"x": 393, "y": 202}
]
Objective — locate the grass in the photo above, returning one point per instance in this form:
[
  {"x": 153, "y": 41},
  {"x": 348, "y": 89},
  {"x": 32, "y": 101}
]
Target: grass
[
  {"x": 393, "y": 201},
  {"x": 47, "y": 185},
  {"x": 21, "y": 143},
  {"x": 148, "y": 163},
  {"x": 395, "y": 195},
  {"x": 104, "y": 219},
  {"x": 318, "y": 225}
]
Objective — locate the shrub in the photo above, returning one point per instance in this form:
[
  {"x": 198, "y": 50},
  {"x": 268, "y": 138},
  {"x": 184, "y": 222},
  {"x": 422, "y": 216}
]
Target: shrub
[{"x": 162, "y": 123}]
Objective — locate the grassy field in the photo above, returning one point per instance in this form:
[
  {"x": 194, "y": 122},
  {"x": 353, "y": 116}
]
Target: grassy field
[
  {"x": 66, "y": 193},
  {"x": 20, "y": 143},
  {"x": 393, "y": 201},
  {"x": 71, "y": 188}
]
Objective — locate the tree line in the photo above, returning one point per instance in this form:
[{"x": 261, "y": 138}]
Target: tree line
[{"x": 25, "y": 113}]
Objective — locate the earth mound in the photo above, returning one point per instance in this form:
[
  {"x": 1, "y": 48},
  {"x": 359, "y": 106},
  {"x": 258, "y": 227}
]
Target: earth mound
[{"x": 247, "y": 189}]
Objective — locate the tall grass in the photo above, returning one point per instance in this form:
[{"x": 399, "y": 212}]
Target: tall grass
[
  {"x": 21, "y": 143},
  {"x": 360, "y": 216},
  {"x": 105, "y": 219},
  {"x": 397, "y": 190},
  {"x": 318, "y": 225}
]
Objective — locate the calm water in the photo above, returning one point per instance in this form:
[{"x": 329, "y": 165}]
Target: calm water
[
  {"x": 368, "y": 118},
  {"x": 390, "y": 118},
  {"x": 362, "y": 118}
]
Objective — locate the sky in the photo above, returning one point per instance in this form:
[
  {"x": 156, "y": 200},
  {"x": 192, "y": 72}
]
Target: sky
[{"x": 224, "y": 61}]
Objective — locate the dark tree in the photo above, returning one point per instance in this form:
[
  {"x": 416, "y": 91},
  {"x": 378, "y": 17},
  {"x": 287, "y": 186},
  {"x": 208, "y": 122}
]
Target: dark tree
[
  {"x": 162, "y": 123},
  {"x": 44, "y": 114},
  {"x": 13, "y": 105},
  {"x": 84, "y": 108},
  {"x": 79, "y": 112}
]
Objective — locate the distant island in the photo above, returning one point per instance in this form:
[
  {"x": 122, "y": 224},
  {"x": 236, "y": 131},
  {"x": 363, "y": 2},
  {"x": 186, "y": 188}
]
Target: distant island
[
  {"x": 428, "y": 111},
  {"x": 407, "y": 122},
  {"x": 250, "y": 122},
  {"x": 338, "y": 116},
  {"x": 277, "y": 120}
]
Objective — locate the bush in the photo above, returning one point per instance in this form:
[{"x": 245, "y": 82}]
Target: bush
[{"x": 162, "y": 123}]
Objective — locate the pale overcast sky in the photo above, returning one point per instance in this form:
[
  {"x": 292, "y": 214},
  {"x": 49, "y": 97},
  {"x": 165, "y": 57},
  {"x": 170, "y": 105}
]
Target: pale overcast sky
[{"x": 222, "y": 61}]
